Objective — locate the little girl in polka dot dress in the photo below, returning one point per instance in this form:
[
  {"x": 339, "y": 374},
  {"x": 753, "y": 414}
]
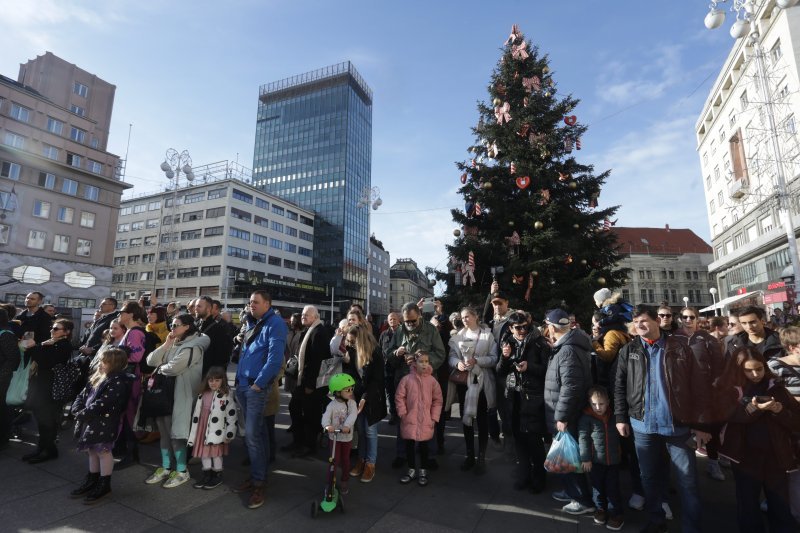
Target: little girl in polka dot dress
[{"x": 213, "y": 426}]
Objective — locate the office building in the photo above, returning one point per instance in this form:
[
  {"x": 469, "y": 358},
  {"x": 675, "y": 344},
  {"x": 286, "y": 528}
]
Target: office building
[
  {"x": 59, "y": 186},
  {"x": 407, "y": 284},
  {"x": 313, "y": 147},
  {"x": 379, "y": 264}
]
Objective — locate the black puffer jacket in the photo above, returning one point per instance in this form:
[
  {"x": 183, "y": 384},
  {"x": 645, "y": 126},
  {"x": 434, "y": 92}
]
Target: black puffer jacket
[
  {"x": 97, "y": 421},
  {"x": 369, "y": 385},
  {"x": 569, "y": 376},
  {"x": 688, "y": 383},
  {"x": 527, "y": 387},
  {"x": 770, "y": 348}
]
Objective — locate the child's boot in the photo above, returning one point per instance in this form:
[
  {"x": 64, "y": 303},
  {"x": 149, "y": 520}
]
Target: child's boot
[
  {"x": 100, "y": 491},
  {"x": 87, "y": 486},
  {"x": 214, "y": 481},
  {"x": 204, "y": 480}
]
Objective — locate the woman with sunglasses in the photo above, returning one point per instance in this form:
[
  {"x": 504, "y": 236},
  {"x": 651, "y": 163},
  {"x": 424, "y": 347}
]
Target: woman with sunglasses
[
  {"x": 709, "y": 349},
  {"x": 47, "y": 354},
  {"x": 474, "y": 350}
]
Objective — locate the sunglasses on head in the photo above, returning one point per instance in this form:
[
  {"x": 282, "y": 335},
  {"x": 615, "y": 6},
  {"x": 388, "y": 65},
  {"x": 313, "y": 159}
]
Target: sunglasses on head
[{"x": 664, "y": 315}]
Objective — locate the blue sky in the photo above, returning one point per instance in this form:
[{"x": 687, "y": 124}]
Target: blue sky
[{"x": 188, "y": 73}]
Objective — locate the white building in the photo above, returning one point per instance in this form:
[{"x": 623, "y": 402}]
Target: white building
[
  {"x": 227, "y": 239},
  {"x": 738, "y": 159},
  {"x": 379, "y": 264}
]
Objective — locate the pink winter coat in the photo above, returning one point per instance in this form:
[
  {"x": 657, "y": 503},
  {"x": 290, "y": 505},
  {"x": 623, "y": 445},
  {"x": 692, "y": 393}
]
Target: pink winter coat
[{"x": 419, "y": 405}]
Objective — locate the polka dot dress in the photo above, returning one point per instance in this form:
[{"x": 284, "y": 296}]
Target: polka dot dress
[{"x": 201, "y": 449}]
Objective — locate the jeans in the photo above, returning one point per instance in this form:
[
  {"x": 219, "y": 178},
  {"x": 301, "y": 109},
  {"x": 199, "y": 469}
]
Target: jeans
[
  {"x": 605, "y": 488},
  {"x": 649, "y": 449},
  {"x": 762, "y": 473},
  {"x": 367, "y": 439},
  {"x": 256, "y": 439}
]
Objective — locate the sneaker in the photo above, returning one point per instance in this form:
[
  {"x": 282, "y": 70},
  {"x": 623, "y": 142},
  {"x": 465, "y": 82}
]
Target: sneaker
[
  {"x": 600, "y": 517},
  {"x": 344, "y": 488},
  {"x": 667, "y": 510},
  {"x": 369, "y": 473},
  {"x": 158, "y": 476},
  {"x": 176, "y": 479},
  {"x": 636, "y": 502},
  {"x": 561, "y": 496},
  {"x": 214, "y": 481},
  {"x": 576, "y": 508},
  {"x": 615, "y": 523},
  {"x": 203, "y": 480},
  {"x": 256, "y": 498},
  {"x": 714, "y": 471},
  {"x": 358, "y": 469},
  {"x": 422, "y": 479},
  {"x": 410, "y": 476},
  {"x": 701, "y": 451}
]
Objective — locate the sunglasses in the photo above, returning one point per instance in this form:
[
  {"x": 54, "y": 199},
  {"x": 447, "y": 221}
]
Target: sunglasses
[
  {"x": 56, "y": 328},
  {"x": 522, "y": 327},
  {"x": 688, "y": 317},
  {"x": 664, "y": 315}
]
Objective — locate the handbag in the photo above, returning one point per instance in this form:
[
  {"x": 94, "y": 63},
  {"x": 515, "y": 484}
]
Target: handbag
[
  {"x": 18, "y": 387},
  {"x": 459, "y": 377},
  {"x": 158, "y": 396},
  {"x": 66, "y": 380},
  {"x": 328, "y": 368},
  {"x": 292, "y": 367}
]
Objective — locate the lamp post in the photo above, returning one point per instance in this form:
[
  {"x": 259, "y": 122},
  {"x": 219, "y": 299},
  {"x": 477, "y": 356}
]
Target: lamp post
[
  {"x": 174, "y": 163},
  {"x": 745, "y": 25},
  {"x": 713, "y": 292},
  {"x": 685, "y": 301},
  {"x": 370, "y": 197}
]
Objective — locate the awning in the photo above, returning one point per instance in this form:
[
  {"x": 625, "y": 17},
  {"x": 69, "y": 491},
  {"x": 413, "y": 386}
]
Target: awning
[{"x": 729, "y": 300}]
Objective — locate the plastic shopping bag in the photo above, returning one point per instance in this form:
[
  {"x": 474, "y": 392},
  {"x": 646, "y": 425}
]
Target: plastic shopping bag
[
  {"x": 564, "y": 456},
  {"x": 18, "y": 388}
]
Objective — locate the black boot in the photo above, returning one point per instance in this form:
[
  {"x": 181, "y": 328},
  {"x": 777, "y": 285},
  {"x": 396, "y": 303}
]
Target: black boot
[
  {"x": 100, "y": 491},
  {"x": 214, "y": 481},
  {"x": 87, "y": 486},
  {"x": 203, "y": 480},
  {"x": 469, "y": 462},
  {"x": 480, "y": 466}
]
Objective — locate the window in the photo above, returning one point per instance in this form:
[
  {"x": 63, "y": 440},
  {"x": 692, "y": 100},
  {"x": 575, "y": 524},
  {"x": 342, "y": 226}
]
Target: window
[
  {"x": 790, "y": 125},
  {"x": 241, "y": 253},
  {"x": 306, "y": 236},
  {"x": 10, "y": 170},
  {"x": 732, "y": 118},
  {"x": 135, "y": 242},
  {"x": 715, "y": 230},
  {"x": 720, "y": 198},
  {"x": 210, "y": 251},
  {"x": 724, "y": 223},
  {"x": 65, "y": 214},
  {"x": 77, "y": 135},
  {"x": 239, "y": 233},
  {"x": 133, "y": 259},
  {"x": 168, "y": 220},
  {"x": 711, "y": 207},
  {"x": 74, "y": 160},
  {"x": 291, "y": 232},
  {"x": 728, "y": 247},
  {"x": 189, "y": 253},
  {"x": 708, "y": 182},
  {"x": 50, "y": 152},
  {"x": 766, "y": 224},
  {"x": 275, "y": 243},
  {"x": 41, "y": 209},
  {"x": 263, "y": 204},
  {"x": 194, "y": 198},
  {"x": 136, "y": 226},
  {"x": 94, "y": 166},
  {"x": 125, "y": 211},
  {"x": 132, "y": 276},
  {"x": 69, "y": 186},
  {"x": 151, "y": 223},
  {"x": 155, "y": 205},
  {"x": 23, "y": 114},
  {"x": 90, "y": 192},
  {"x": 194, "y": 215},
  {"x": 215, "y": 212},
  {"x": 258, "y": 257},
  {"x": 307, "y": 221},
  {"x": 187, "y": 272},
  {"x": 78, "y": 110},
  {"x": 61, "y": 244},
  {"x": 217, "y": 193},
  {"x": 260, "y": 239},
  {"x": 119, "y": 261},
  {"x": 139, "y": 208},
  {"x": 117, "y": 278},
  {"x": 122, "y": 228},
  {"x": 94, "y": 144},
  {"x": 289, "y": 264},
  {"x": 47, "y": 180},
  {"x": 144, "y": 276},
  {"x": 752, "y": 233},
  {"x": 277, "y": 226},
  {"x": 643, "y": 295},
  {"x": 241, "y": 215},
  {"x": 148, "y": 258},
  {"x": 304, "y": 251},
  {"x": 775, "y": 53},
  {"x": 80, "y": 89},
  {"x": 738, "y": 240},
  {"x": 87, "y": 219},
  {"x": 278, "y": 210},
  {"x": 275, "y": 261},
  {"x": 210, "y": 271},
  {"x": 55, "y": 126},
  {"x": 302, "y": 267},
  {"x": 14, "y": 140},
  {"x": 743, "y": 100},
  {"x": 215, "y": 230},
  {"x": 289, "y": 247},
  {"x": 242, "y": 196},
  {"x": 36, "y": 239},
  {"x": 260, "y": 221},
  {"x": 151, "y": 240},
  {"x": 191, "y": 235}
]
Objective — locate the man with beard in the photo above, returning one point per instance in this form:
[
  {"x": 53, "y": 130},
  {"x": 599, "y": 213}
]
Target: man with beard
[
  {"x": 34, "y": 318},
  {"x": 219, "y": 351}
]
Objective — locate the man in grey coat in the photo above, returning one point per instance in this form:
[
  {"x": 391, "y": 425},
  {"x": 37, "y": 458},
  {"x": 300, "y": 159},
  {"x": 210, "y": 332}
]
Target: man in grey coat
[{"x": 568, "y": 378}]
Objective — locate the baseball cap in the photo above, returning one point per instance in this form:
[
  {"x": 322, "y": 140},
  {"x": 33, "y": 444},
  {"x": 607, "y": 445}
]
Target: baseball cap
[
  {"x": 557, "y": 317},
  {"x": 499, "y": 295}
]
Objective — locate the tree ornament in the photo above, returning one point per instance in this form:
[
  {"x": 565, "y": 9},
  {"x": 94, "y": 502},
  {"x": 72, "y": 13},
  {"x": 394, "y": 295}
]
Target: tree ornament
[
  {"x": 517, "y": 280},
  {"x": 525, "y": 102},
  {"x": 523, "y": 130},
  {"x": 601, "y": 281},
  {"x": 568, "y": 144},
  {"x": 520, "y": 51},
  {"x": 607, "y": 224},
  {"x": 513, "y": 168},
  {"x": 523, "y": 182},
  {"x": 545, "y": 69},
  {"x": 492, "y": 151},
  {"x": 564, "y": 176},
  {"x": 538, "y": 224},
  {"x": 486, "y": 185},
  {"x": 534, "y": 273},
  {"x": 578, "y": 143},
  {"x": 545, "y": 153},
  {"x": 532, "y": 84},
  {"x": 511, "y": 223},
  {"x": 502, "y": 114},
  {"x": 457, "y": 233},
  {"x": 568, "y": 260},
  {"x": 573, "y": 184},
  {"x": 497, "y": 102},
  {"x": 500, "y": 89},
  {"x": 515, "y": 33},
  {"x": 530, "y": 286},
  {"x": 547, "y": 94},
  {"x": 469, "y": 269},
  {"x": 584, "y": 262},
  {"x": 545, "y": 197},
  {"x": 571, "y": 120},
  {"x": 463, "y": 178},
  {"x": 593, "y": 200},
  {"x": 576, "y": 226}
]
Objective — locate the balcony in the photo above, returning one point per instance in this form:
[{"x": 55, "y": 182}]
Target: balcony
[{"x": 738, "y": 188}]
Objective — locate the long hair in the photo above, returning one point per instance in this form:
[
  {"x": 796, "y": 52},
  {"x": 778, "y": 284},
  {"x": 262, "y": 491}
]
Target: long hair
[
  {"x": 116, "y": 360},
  {"x": 365, "y": 344},
  {"x": 735, "y": 376},
  {"x": 216, "y": 372},
  {"x": 187, "y": 320}
]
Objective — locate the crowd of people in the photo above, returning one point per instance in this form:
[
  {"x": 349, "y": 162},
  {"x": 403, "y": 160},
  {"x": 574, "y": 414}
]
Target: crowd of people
[{"x": 645, "y": 388}]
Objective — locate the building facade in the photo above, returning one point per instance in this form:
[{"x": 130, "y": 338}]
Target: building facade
[
  {"x": 59, "y": 188},
  {"x": 313, "y": 147},
  {"x": 407, "y": 284},
  {"x": 379, "y": 264},
  {"x": 665, "y": 265},
  {"x": 220, "y": 237},
  {"x": 739, "y": 161}
]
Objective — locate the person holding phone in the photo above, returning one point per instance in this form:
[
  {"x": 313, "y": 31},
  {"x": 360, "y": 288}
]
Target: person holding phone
[{"x": 761, "y": 417}]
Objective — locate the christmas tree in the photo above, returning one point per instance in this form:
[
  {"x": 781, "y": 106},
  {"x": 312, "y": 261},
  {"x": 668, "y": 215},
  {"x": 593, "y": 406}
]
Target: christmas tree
[{"x": 530, "y": 217}]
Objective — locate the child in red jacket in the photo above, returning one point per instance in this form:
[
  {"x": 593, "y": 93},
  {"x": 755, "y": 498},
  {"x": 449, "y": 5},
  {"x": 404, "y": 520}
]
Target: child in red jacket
[{"x": 419, "y": 405}]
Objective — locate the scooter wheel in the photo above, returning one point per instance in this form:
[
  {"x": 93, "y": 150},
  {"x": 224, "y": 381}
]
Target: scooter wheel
[{"x": 314, "y": 509}]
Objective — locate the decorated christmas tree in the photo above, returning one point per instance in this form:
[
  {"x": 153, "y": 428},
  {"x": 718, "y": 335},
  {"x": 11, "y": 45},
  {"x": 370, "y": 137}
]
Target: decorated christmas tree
[{"x": 531, "y": 218}]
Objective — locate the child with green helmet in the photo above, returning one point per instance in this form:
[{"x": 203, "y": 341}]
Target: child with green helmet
[{"x": 341, "y": 415}]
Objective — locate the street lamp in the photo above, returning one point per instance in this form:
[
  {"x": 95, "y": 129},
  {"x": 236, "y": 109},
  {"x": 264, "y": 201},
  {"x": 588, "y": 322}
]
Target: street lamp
[
  {"x": 370, "y": 197},
  {"x": 174, "y": 163},
  {"x": 746, "y": 11},
  {"x": 685, "y": 301},
  {"x": 713, "y": 292}
]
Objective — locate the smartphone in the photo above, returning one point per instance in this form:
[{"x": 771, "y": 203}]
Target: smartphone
[
  {"x": 764, "y": 399},
  {"x": 427, "y": 306}
]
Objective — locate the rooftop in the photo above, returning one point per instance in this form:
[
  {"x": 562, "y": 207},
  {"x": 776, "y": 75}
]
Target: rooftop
[
  {"x": 660, "y": 241},
  {"x": 344, "y": 69}
]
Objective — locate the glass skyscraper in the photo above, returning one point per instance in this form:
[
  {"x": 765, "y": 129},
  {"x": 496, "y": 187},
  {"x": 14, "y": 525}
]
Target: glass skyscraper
[{"x": 313, "y": 147}]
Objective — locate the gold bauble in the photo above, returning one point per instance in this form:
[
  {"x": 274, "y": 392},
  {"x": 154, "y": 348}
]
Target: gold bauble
[
  {"x": 538, "y": 224},
  {"x": 573, "y": 184},
  {"x": 584, "y": 262},
  {"x": 457, "y": 232},
  {"x": 601, "y": 281},
  {"x": 487, "y": 185},
  {"x": 497, "y": 102},
  {"x": 576, "y": 226}
]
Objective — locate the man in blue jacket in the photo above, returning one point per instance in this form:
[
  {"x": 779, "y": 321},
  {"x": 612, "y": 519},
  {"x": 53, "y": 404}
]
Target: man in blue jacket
[{"x": 259, "y": 364}]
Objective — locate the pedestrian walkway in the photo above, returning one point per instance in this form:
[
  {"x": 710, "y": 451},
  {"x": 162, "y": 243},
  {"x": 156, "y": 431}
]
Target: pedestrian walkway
[{"x": 36, "y": 497}]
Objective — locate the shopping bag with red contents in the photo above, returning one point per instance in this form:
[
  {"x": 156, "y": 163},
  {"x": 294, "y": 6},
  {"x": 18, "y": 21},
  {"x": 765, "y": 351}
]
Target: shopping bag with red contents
[{"x": 564, "y": 456}]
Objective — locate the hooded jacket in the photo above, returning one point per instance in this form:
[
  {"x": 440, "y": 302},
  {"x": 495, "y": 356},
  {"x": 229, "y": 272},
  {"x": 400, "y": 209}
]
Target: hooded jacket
[
  {"x": 771, "y": 346},
  {"x": 569, "y": 376},
  {"x": 261, "y": 355},
  {"x": 598, "y": 438},
  {"x": 98, "y": 420},
  {"x": 419, "y": 405}
]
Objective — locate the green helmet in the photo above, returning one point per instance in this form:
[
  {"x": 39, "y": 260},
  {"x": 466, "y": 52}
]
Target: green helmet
[{"x": 339, "y": 382}]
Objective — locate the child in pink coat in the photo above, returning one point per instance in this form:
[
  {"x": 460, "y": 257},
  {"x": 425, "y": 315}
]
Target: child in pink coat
[{"x": 419, "y": 405}]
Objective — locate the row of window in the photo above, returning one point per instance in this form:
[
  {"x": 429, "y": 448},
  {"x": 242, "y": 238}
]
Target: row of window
[
  {"x": 20, "y": 142},
  {"x": 749, "y": 234},
  {"x": 49, "y": 181},
  {"x": 61, "y": 244},
  {"x": 670, "y": 274},
  {"x": 66, "y": 215},
  {"x": 193, "y": 272},
  {"x": 670, "y": 295}
]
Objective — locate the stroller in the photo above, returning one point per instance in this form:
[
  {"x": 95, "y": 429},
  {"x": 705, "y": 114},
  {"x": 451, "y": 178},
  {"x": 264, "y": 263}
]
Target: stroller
[{"x": 331, "y": 497}]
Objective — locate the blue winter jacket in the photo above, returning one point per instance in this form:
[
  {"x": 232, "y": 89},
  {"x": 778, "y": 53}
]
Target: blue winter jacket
[{"x": 262, "y": 356}]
